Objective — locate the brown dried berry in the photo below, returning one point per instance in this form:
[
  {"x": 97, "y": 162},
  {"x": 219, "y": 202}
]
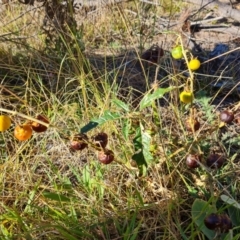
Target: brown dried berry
[
  {"x": 215, "y": 161},
  {"x": 79, "y": 142},
  {"x": 106, "y": 156},
  {"x": 37, "y": 127},
  {"x": 212, "y": 221},
  {"x": 226, "y": 222},
  {"x": 192, "y": 125},
  {"x": 226, "y": 116},
  {"x": 100, "y": 140},
  {"x": 193, "y": 160}
]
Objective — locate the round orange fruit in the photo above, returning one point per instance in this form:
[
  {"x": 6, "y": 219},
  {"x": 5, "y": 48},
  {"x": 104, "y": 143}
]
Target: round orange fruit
[{"x": 23, "y": 132}]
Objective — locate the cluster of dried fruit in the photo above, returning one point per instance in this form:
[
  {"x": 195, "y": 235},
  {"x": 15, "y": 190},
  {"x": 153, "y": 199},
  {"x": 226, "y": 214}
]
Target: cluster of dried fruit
[
  {"x": 99, "y": 141},
  {"x": 216, "y": 221},
  {"x": 78, "y": 142},
  {"x": 24, "y": 132},
  {"x": 214, "y": 161},
  {"x": 226, "y": 117}
]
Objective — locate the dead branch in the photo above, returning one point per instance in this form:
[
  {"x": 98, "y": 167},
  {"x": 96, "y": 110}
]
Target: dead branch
[{"x": 222, "y": 8}]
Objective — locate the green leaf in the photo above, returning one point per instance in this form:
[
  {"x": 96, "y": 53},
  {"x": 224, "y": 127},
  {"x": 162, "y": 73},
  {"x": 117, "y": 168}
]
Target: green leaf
[
  {"x": 56, "y": 197},
  {"x": 141, "y": 162},
  {"x": 202, "y": 98},
  {"x": 5, "y": 233},
  {"x": 142, "y": 170},
  {"x": 155, "y": 115},
  {"x": 149, "y": 98},
  {"x": 65, "y": 233},
  {"x": 107, "y": 116},
  {"x": 126, "y": 128},
  {"x": 139, "y": 158},
  {"x": 121, "y": 105},
  {"x": 86, "y": 176},
  {"x": 200, "y": 209},
  {"x": 137, "y": 141},
  {"x": 230, "y": 201},
  {"x": 231, "y": 237},
  {"x": 143, "y": 156},
  {"x": 146, "y": 142},
  {"x": 88, "y": 127},
  {"x": 234, "y": 213}
]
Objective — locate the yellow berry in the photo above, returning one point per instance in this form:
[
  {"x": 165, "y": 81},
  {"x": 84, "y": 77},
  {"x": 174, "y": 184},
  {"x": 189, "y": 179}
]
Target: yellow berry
[
  {"x": 194, "y": 64},
  {"x": 5, "y": 123},
  {"x": 177, "y": 52},
  {"x": 186, "y": 97}
]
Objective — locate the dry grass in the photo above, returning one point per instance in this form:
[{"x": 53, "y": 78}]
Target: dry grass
[{"x": 50, "y": 192}]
